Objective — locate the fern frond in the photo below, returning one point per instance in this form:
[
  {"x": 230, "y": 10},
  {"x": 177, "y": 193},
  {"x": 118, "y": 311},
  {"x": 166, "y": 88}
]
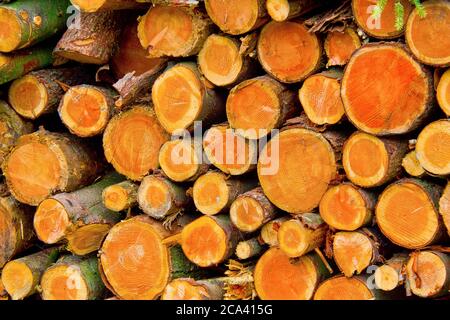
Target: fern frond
[
  {"x": 379, "y": 7},
  {"x": 419, "y": 7},
  {"x": 399, "y": 13}
]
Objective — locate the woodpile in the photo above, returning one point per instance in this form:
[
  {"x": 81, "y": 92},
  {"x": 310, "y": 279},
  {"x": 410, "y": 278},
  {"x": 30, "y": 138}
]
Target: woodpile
[{"x": 209, "y": 150}]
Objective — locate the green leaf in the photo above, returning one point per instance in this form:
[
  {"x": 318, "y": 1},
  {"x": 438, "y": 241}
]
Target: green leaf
[
  {"x": 399, "y": 13},
  {"x": 379, "y": 7}
]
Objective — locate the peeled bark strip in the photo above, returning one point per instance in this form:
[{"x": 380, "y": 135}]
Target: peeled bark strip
[
  {"x": 16, "y": 64},
  {"x": 120, "y": 196},
  {"x": 182, "y": 160},
  {"x": 412, "y": 165},
  {"x": 214, "y": 192},
  {"x": 444, "y": 207},
  {"x": 428, "y": 274},
  {"x": 73, "y": 278},
  {"x": 433, "y": 147},
  {"x": 251, "y": 210},
  {"x": 131, "y": 142},
  {"x": 159, "y": 197},
  {"x": 320, "y": 97},
  {"x": 269, "y": 231},
  {"x": 106, "y": 5},
  {"x": 340, "y": 45},
  {"x": 288, "y": 52},
  {"x": 181, "y": 97},
  {"x": 382, "y": 27},
  {"x": 392, "y": 273},
  {"x": 189, "y": 289},
  {"x": 11, "y": 128},
  {"x": 79, "y": 216},
  {"x": 44, "y": 163},
  {"x": 140, "y": 267},
  {"x": 237, "y": 16},
  {"x": 343, "y": 288},
  {"x": 305, "y": 274},
  {"x": 258, "y": 105},
  {"x": 370, "y": 161},
  {"x": 382, "y": 67},
  {"x": 222, "y": 236},
  {"x": 91, "y": 38},
  {"x": 39, "y": 92},
  {"x": 16, "y": 228},
  {"x": 301, "y": 235},
  {"x": 407, "y": 214},
  {"x": 443, "y": 92},
  {"x": 28, "y": 22},
  {"x": 249, "y": 249},
  {"x": 229, "y": 151},
  {"x": 347, "y": 207},
  {"x": 281, "y": 10},
  {"x": 421, "y": 33},
  {"x": 21, "y": 277},
  {"x": 173, "y": 31}
]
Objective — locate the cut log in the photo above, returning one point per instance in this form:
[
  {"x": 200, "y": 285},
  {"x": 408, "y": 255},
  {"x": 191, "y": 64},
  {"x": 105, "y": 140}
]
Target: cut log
[
  {"x": 354, "y": 251},
  {"x": 159, "y": 197},
  {"x": 392, "y": 273},
  {"x": 182, "y": 160},
  {"x": 412, "y": 165},
  {"x": 222, "y": 236},
  {"x": 428, "y": 274},
  {"x": 340, "y": 45},
  {"x": 377, "y": 66},
  {"x": 320, "y": 97},
  {"x": 141, "y": 267},
  {"x": 269, "y": 231},
  {"x": 21, "y": 277},
  {"x": 120, "y": 196},
  {"x": 44, "y": 163},
  {"x": 347, "y": 207},
  {"x": 229, "y": 151},
  {"x": 443, "y": 92},
  {"x": 288, "y": 52},
  {"x": 11, "y": 128},
  {"x": 19, "y": 63},
  {"x": 106, "y": 5},
  {"x": 370, "y": 161},
  {"x": 214, "y": 192},
  {"x": 422, "y": 33},
  {"x": 258, "y": 105},
  {"x": 16, "y": 228},
  {"x": 301, "y": 235},
  {"x": 343, "y": 288},
  {"x": 91, "y": 38},
  {"x": 79, "y": 216},
  {"x": 296, "y": 167},
  {"x": 251, "y": 210},
  {"x": 173, "y": 31},
  {"x": 39, "y": 92},
  {"x": 383, "y": 26},
  {"x": 433, "y": 147},
  {"x": 237, "y": 16},
  {"x": 281, "y": 10},
  {"x": 73, "y": 278},
  {"x": 277, "y": 277},
  {"x": 189, "y": 289},
  {"x": 249, "y": 249},
  {"x": 28, "y": 22},
  {"x": 222, "y": 61},
  {"x": 132, "y": 140},
  {"x": 444, "y": 207},
  {"x": 407, "y": 213}
]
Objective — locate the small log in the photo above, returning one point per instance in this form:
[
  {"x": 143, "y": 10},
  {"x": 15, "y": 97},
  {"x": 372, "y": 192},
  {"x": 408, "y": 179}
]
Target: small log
[
  {"x": 391, "y": 274},
  {"x": 421, "y": 32},
  {"x": 106, "y": 5},
  {"x": 412, "y": 165},
  {"x": 340, "y": 45},
  {"x": 281, "y": 10},
  {"x": 44, "y": 163},
  {"x": 258, "y": 105},
  {"x": 22, "y": 276},
  {"x": 73, "y": 278},
  {"x": 131, "y": 142},
  {"x": 305, "y": 274},
  {"x": 297, "y": 237},
  {"x": 371, "y": 161},
  {"x": 407, "y": 213},
  {"x": 442, "y": 92},
  {"x": 189, "y": 289},
  {"x": 409, "y": 102},
  {"x": 269, "y": 231},
  {"x": 444, "y": 207},
  {"x": 249, "y": 249},
  {"x": 251, "y": 210},
  {"x": 120, "y": 196},
  {"x": 288, "y": 52},
  {"x": 173, "y": 31},
  {"x": 181, "y": 97},
  {"x": 214, "y": 192},
  {"x": 347, "y": 207}
]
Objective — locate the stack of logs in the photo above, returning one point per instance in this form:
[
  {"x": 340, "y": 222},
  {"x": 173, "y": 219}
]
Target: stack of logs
[{"x": 318, "y": 172}]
